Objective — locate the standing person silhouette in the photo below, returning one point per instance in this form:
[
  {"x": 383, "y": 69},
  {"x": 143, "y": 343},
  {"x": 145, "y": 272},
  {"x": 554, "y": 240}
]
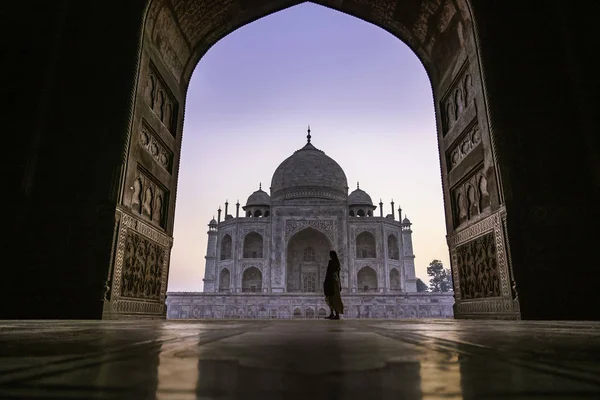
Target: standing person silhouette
[{"x": 332, "y": 287}]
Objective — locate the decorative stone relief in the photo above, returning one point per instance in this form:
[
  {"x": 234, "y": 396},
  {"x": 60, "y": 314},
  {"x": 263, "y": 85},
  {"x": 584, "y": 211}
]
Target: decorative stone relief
[
  {"x": 248, "y": 264},
  {"x": 459, "y": 97},
  {"x": 142, "y": 267},
  {"x": 470, "y": 198},
  {"x": 467, "y": 142},
  {"x": 480, "y": 227},
  {"x": 485, "y": 306},
  {"x": 478, "y": 268},
  {"x": 156, "y": 148},
  {"x": 258, "y": 229},
  {"x": 149, "y": 199},
  {"x": 160, "y": 99},
  {"x": 141, "y": 263},
  {"x": 293, "y": 226},
  {"x": 138, "y": 307}
]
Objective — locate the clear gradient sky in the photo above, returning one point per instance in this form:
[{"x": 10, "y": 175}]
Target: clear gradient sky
[{"x": 365, "y": 95}]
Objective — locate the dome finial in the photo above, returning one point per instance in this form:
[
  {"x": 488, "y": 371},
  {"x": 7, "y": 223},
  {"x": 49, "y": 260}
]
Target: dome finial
[
  {"x": 358, "y": 185},
  {"x": 308, "y": 136},
  {"x": 259, "y": 185}
]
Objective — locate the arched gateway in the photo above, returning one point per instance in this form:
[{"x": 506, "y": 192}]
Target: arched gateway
[{"x": 510, "y": 177}]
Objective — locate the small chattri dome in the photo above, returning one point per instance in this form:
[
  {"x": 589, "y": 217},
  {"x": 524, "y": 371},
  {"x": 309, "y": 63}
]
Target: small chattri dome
[
  {"x": 406, "y": 221},
  {"x": 359, "y": 197},
  {"x": 259, "y": 198},
  {"x": 213, "y": 222}
]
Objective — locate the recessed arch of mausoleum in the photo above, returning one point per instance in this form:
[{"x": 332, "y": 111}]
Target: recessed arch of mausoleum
[
  {"x": 394, "y": 279},
  {"x": 253, "y": 245},
  {"x": 366, "y": 245},
  {"x": 252, "y": 280},
  {"x": 177, "y": 33},
  {"x": 307, "y": 256},
  {"x": 226, "y": 247},
  {"x": 366, "y": 279},
  {"x": 393, "y": 247},
  {"x": 224, "y": 280}
]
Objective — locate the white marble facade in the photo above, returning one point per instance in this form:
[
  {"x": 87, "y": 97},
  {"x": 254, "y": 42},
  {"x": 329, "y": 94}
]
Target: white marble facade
[{"x": 270, "y": 261}]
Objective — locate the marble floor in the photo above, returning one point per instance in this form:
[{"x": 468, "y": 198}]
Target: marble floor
[{"x": 299, "y": 359}]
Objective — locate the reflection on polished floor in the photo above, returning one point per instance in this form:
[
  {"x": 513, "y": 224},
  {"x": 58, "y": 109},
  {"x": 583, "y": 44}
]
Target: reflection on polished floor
[{"x": 299, "y": 359}]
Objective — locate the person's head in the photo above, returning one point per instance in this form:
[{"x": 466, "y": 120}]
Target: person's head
[{"x": 333, "y": 255}]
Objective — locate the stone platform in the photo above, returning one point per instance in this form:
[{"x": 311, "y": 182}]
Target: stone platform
[
  {"x": 299, "y": 359},
  {"x": 198, "y": 305}
]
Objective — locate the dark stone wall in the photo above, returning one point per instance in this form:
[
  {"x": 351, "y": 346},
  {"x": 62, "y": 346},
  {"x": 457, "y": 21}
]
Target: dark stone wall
[
  {"x": 542, "y": 86},
  {"x": 71, "y": 69}
]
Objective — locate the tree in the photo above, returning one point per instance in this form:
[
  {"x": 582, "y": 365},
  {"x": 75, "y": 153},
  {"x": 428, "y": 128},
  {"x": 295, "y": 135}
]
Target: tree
[
  {"x": 421, "y": 286},
  {"x": 440, "y": 278}
]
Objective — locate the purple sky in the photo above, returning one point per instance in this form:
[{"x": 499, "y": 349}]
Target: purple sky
[{"x": 365, "y": 95}]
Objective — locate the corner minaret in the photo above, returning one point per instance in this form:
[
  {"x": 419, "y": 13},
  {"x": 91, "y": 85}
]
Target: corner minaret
[
  {"x": 408, "y": 257},
  {"x": 211, "y": 257}
]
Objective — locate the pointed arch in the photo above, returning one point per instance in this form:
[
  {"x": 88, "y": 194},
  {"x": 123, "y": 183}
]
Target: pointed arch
[
  {"x": 366, "y": 279},
  {"x": 226, "y": 246},
  {"x": 366, "y": 245},
  {"x": 394, "y": 280},
  {"x": 393, "y": 248},
  {"x": 252, "y": 280},
  {"x": 224, "y": 280},
  {"x": 253, "y": 245}
]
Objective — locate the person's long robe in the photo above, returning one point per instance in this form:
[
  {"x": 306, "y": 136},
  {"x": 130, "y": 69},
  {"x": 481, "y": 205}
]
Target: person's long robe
[{"x": 332, "y": 287}]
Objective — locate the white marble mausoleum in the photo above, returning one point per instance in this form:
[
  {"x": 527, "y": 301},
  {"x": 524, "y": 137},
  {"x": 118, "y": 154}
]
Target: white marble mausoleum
[{"x": 269, "y": 260}]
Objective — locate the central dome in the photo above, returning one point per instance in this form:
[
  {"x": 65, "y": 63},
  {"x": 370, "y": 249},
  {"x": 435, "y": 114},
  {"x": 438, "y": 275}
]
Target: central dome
[{"x": 309, "y": 173}]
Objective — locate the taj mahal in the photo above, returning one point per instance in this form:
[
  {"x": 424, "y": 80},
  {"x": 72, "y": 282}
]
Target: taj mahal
[{"x": 269, "y": 260}]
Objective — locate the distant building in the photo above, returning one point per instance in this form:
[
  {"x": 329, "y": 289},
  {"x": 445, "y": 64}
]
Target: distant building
[{"x": 270, "y": 262}]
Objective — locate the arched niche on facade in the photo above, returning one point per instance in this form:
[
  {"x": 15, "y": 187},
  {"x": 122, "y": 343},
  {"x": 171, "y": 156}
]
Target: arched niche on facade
[
  {"x": 307, "y": 255},
  {"x": 253, "y": 245},
  {"x": 366, "y": 280},
  {"x": 366, "y": 245},
  {"x": 226, "y": 247},
  {"x": 394, "y": 279},
  {"x": 393, "y": 248},
  {"x": 309, "y": 313},
  {"x": 252, "y": 280},
  {"x": 224, "y": 280}
]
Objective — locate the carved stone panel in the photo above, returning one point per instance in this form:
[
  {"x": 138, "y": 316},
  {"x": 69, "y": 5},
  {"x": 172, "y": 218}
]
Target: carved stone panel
[
  {"x": 161, "y": 100},
  {"x": 149, "y": 199},
  {"x": 470, "y": 138},
  {"x": 478, "y": 268},
  {"x": 142, "y": 267},
  {"x": 293, "y": 226},
  {"x": 470, "y": 197},
  {"x": 458, "y": 98},
  {"x": 150, "y": 141}
]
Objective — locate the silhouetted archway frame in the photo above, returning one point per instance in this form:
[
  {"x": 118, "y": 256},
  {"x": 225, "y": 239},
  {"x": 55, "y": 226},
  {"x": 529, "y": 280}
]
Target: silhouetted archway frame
[{"x": 177, "y": 33}]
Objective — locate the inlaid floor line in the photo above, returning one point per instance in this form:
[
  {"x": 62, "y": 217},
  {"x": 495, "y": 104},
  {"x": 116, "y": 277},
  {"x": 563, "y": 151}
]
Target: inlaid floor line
[
  {"x": 29, "y": 374},
  {"x": 492, "y": 353}
]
